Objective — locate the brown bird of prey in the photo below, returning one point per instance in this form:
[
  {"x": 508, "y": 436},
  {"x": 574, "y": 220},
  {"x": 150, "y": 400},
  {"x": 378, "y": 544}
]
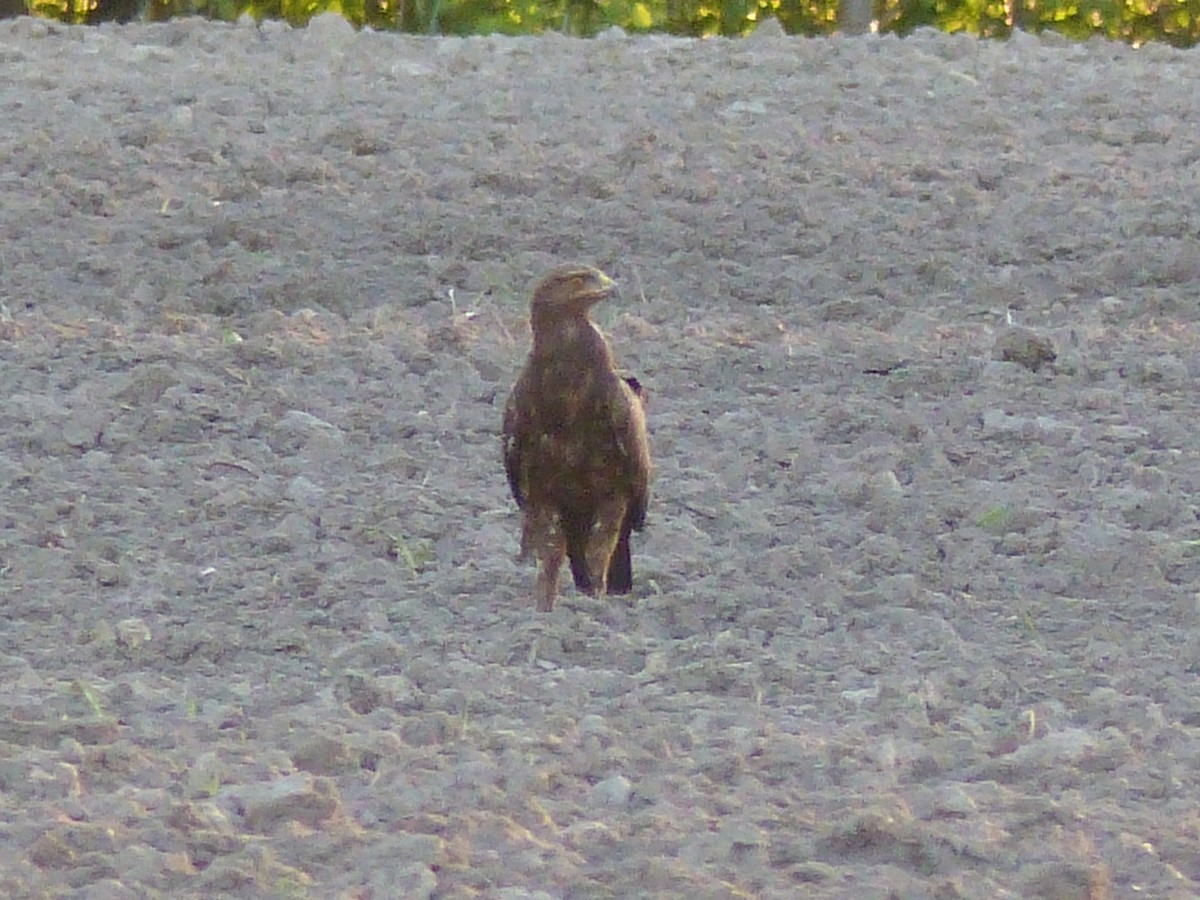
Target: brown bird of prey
[{"x": 575, "y": 445}]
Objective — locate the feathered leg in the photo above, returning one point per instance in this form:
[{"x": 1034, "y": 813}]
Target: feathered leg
[
  {"x": 602, "y": 541},
  {"x": 542, "y": 536},
  {"x": 547, "y": 580}
]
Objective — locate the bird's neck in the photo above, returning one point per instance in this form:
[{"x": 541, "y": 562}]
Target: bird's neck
[
  {"x": 568, "y": 332},
  {"x": 572, "y": 342}
]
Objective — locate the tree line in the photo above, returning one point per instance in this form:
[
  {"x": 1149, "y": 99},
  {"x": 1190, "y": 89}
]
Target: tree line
[{"x": 1132, "y": 21}]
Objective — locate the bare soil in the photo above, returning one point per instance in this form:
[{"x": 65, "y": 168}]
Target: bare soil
[{"x": 915, "y": 615}]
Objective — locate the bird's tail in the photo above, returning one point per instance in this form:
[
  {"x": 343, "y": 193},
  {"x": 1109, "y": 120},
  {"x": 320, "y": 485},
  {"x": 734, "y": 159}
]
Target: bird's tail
[
  {"x": 620, "y": 567},
  {"x": 577, "y": 556}
]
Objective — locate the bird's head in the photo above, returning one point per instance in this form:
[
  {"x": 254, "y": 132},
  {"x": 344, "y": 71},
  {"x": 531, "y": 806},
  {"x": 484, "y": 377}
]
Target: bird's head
[{"x": 568, "y": 292}]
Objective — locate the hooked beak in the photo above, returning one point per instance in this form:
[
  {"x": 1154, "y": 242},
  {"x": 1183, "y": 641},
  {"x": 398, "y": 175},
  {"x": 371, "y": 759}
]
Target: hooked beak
[{"x": 608, "y": 288}]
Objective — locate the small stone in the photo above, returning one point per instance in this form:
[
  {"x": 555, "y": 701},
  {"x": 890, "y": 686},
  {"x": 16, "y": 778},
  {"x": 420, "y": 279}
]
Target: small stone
[
  {"x": 814, "y": 873},
  {"x": 407, "y": 880},
  {"x": 1025, "y": 348},
  {"x": 204, "y": 776},
  {"x": 614, "y": 791},
  {"x": 59, "y": 781},
  {"x": 953, "y": 802},
  {"x": 324, "y": 755},
  {"x": 50, "y": 851},
  {"x": 132, "y": 633},
  {"x": 297, "y": 798},
  {"x": 1069, "y": 881},
  {"x": 742, "y": 839},
  {"x": 1165, "y": 370},
  {"x": 593, "y": 724}
]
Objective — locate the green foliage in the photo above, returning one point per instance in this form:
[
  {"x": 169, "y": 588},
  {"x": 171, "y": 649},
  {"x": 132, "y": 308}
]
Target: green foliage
[{"x": 1134, "y": 21}]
